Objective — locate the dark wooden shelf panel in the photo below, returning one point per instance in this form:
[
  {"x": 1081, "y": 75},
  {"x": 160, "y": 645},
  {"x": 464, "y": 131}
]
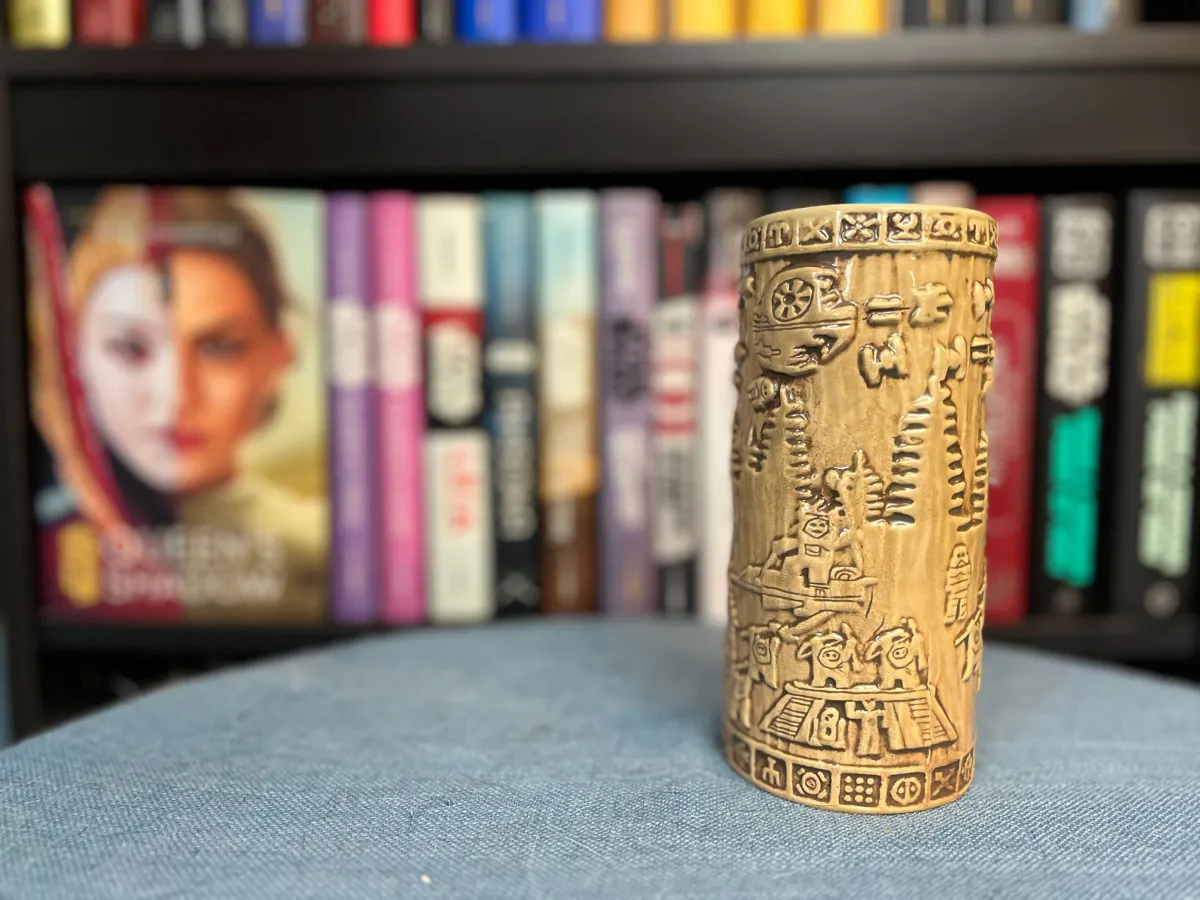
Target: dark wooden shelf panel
[{"x": 1005, "y": 97}]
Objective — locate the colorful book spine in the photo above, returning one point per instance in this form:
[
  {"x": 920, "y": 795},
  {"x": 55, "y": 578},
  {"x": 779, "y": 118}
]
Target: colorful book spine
[
  {"x": 510, "y": 375},
  {"x": 561, "y": 21},
  {"x": 944, "y": 193},
  {"x": 1011, "y": 403},
  {"x": 933, "y": 13},
  {"x": 337, "y": 22},
  {"x": 355, "y": 559},
  {"x": 175, "y": 22},
  {"x": 487, "y": 21},
  {"x": 1025, "y": 12},
  {"x": 400, "y": 407},
  {"x": 676, "y": 374},
  {"x": 567, "y": 274},
  {"x": 728, "y": 213},
  {"x": 703, "y": 20},
  {"x": 39, "y": 23},
  {"x": 225, "y": 22},
  {"x": 1102, "y": 15},
  {"x": 633, "y": 21},
  {"x": 436, "y": 22},
  {"x": 879, "y": 193},
  {"x": 278, "y": 22},
  {"x": 458, "y": 506},
  {"x": 776, "y": 18},
  {"x": 393, "y": 23},
  {"x": 1153, "y": 569},
  {"x": 1076, "y": 334},
  {"x": 109, "y": 23},
  {"x": 848, "y": 18},
  {"x": 629, "y": 224}
]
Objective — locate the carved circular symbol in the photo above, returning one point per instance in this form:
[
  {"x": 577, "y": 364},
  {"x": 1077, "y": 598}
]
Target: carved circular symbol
[
  {"x": 811, "y": 784},
  {"x": 791, "y": 300},
  {"x": 906, "y": 791},
  {"x": 899, "y": 655},
  {"x": 817, "y": 527},
  {"x": 830, "y": 656},
  {"x": 966, "y": 769},
  {"x": 762, "y": 650}
]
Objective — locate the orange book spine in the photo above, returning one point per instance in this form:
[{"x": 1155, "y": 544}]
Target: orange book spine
[
  {"x": 776, "y": 18},
  {"x": 852, "y": 17},
  {"x": 703, "y": 20},
  {"x": 632, "y": 21}
]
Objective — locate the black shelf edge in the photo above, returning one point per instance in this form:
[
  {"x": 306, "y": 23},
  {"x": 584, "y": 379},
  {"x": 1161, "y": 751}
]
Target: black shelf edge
[
  {"x": 1159, "y": 47},
  {"x": 1111, "y": 638},
  {"x": 396, "y": 116}
]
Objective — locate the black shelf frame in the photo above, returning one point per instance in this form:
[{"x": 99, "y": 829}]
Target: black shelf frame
[{"x": 411, "y": 116}]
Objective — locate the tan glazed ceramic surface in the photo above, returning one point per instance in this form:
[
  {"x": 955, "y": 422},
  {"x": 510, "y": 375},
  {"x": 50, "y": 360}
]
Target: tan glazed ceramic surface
[{"x": 857, "y": 576}]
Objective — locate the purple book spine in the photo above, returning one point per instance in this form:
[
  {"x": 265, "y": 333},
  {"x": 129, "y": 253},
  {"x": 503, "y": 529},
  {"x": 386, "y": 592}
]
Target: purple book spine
[
  {"x": 629, "y": 223},
  {"x": 355, "y": 558}
]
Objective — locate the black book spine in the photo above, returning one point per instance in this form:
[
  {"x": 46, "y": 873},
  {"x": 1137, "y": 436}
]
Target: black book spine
[
  {"x": 175, "y": 22},
  {"x": 1159, "y": 395},
  {"x": 1070, "y": 518},
  {"x": 1026, "y": 12},
  {"x": 437, "y": 21},
  {"x": 784, "y": 199},
  {"x": 225, "y": 22},
  {"x": 337, "y": 22},
  {"x": 934, "y": 13}
]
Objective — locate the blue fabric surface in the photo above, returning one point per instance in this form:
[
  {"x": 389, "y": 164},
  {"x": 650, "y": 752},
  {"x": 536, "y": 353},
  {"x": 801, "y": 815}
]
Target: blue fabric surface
[{"x": 579, "y": 759}]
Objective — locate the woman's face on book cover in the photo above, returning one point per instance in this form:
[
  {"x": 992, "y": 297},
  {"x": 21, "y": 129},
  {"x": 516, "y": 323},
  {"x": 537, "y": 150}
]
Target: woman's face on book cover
[{"x": 180, "y": 363}]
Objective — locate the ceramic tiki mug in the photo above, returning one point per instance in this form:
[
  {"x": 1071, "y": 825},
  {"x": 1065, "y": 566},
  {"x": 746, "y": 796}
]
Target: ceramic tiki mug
[{"x": 860, "y": 477}]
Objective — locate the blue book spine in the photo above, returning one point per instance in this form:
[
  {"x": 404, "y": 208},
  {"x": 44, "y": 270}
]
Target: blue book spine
[
  {"x": 879, "y": 193},
  {"x": 1101, "y": 15},
  {"x": 561, "y": 21},
  {"x": 487, "y": 21},
  {"x": 278, "y": 22}
]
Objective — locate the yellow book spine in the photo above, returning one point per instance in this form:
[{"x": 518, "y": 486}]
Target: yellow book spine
[
  {"x": 632, "y": 21},
  {"x": 776, "y": 18},
  {"x": 40, "y": 23},
  {"x": 703, "y": 20},
  {"x": 850, "y": 17}
]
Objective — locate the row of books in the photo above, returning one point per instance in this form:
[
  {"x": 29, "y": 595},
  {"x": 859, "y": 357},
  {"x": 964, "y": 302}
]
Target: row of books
[
  {"x": 385, "y": 407},
  {"x": 53, "y": 23}
]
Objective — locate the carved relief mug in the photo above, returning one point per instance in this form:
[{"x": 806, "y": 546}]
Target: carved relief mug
[{"x": 857, "y": 576}]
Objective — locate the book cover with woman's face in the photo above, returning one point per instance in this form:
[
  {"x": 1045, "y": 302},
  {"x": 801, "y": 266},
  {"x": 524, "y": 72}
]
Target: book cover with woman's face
[{"x": 177, "y": 391}]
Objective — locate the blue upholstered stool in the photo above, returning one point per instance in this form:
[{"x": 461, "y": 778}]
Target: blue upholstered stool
[{"x": 579, "y": 759}]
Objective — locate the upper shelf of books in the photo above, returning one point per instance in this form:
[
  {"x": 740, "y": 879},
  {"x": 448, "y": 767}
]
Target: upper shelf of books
[{"x": 1005, "y": 97}]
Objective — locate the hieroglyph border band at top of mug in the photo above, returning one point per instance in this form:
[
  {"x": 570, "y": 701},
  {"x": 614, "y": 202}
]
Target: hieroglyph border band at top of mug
[
  {"x": 866, "y": 228},
  {"x": 834, "y": 786}
]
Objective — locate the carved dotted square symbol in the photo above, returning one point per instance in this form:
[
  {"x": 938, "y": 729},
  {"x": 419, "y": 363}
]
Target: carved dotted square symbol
[
  {"x": 740, "y": 751},
  {"x": 966, "y": 769},
  {"x": 859, "y": 790},
  {"x": 769, "y": 770},
  {"x": 906, "y": 790},
  {"x": 945, "y": 781},
  {"x": 812, "y": 782}
]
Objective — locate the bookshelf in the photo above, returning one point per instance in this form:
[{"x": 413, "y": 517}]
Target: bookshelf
[{"x": 1046, "y": 100}]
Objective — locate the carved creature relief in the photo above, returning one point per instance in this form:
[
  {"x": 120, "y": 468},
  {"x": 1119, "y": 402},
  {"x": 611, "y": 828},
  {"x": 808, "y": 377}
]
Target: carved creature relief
[{"x": 803, "y": 320}]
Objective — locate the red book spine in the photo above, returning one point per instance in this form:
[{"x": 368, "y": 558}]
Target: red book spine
[
  {"x": 1012, "y": 404},
  {"x": 391, "y": 22},
  {"x": 109, "y": 23}
]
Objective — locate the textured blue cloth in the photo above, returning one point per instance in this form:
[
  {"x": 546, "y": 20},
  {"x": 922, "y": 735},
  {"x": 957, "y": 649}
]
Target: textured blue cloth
[{"x": 579, "y": 759}]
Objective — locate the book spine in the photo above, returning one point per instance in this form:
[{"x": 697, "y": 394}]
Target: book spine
[
  {"x": 728, "y": 213},
  {"x": 703, "y": 20},
  {"x": 566, "y": 286},
  {"x": 39, "y": 23},
  {"x": 944, "y": 193},
  {"x": 355, "y": 558},
  {"x": 878, "y": 193},
  {"x": 392, "y": 23},
  {"x": 436, "y": 24},
  {"x": 633, "y": 21},
  {"x": 1076, "y": 333},
  {"x": 776, "y": 18},
  {"x": 675, "y": 372},
  {"x": 1011, "y": 403},
  {"x": 175, "y": 22},
  {"x": 94, "y": 22},
  {"x": 1102, "y": 15},
  {"x": 400, "y": 407},
  {"x": 561, "y": 21},
  {"x": 934, "y": 13},
  {"x": 337, "y": 21},
  {"x": 783, "y": 199},
  {"x": 278, "y": 22},
  {"x": 458, "y": 507},
  {"x": 851, "y": 17},
  {"x": 629, "y": 226},
  {"x": 510, "y": 374},
  {"x": 1159, "y": 370},
  {"x": 487, "y": 21},
  {"x": 1025, "y": 12},
  {"x": 225, "y": 22}
]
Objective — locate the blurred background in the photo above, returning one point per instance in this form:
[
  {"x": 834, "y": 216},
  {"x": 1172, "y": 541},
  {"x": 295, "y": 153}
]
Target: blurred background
[{"x": 325, "y": 317}]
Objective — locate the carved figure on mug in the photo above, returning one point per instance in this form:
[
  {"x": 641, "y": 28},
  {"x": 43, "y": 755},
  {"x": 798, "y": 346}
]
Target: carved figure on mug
[
  {"x": 834, "y": 658},
  {"x": 900, "y": 652}
]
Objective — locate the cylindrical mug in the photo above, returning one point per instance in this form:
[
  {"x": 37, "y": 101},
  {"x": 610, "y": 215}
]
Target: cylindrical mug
[{"x": 857, "y": 576}]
